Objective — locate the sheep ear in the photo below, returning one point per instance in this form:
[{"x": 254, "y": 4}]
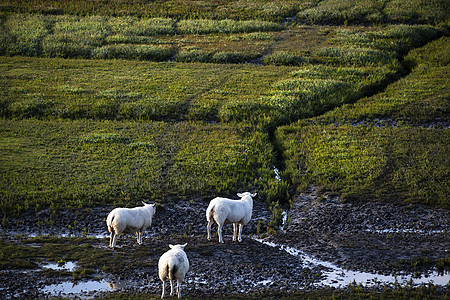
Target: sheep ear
[
  {"x": 170, "y": 246},
  {"x": 253, "y": 195},
  {"x": 240, "y": 195},
  {"x": 184, "y": 245},
  {"x": 144, "y": 203}
]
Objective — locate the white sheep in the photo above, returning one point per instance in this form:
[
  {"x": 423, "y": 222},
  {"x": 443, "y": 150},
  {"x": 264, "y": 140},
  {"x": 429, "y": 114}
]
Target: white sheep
[
  {"x": 226, "y": 211},
  {"x": 172, "y": 265},
  {"x": 129, "y": 220}
]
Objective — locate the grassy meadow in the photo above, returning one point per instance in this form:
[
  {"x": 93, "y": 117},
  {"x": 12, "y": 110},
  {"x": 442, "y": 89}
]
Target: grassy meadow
[
  {"x": 408, "y": 162},
  {"x": 86, "y": 163},
  {"x": 114, "y": 102}
]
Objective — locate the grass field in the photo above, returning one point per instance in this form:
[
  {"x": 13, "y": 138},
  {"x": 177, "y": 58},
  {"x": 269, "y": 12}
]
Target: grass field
[
  {"x": 85, "y": 163},
  {"x": 408, "y": 162},
  {"x": 118, "y": 101},
  {"x": 421, "y": 97}
]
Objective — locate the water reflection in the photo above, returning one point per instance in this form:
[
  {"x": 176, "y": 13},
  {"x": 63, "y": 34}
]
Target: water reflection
[
  {"x": 77, "y": 287},
  {"x": 68, "y": 266},
  {"x": 338, "y": 277},
  {"x": 85, "y": 288}
]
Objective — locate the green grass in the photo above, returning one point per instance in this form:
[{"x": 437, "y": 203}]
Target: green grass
[
  {"x": 343, "y": 12},
  {"x": 419, "y": 98},
  {"x": 109, "y": 91},
  {"x": 400, "y": 164},
  {"x": 310, "y": 91},
  {"x": 312, "y": 11},
  {"x": 223, "y": 41},
  {"x": 98, "y": 89},
  {"x": 61, "y": 164},
  {"x": 267, "y": 10},
  {"x": 98, "y": 36}
]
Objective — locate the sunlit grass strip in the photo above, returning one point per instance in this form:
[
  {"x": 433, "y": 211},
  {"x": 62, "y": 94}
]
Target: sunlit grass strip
[
  {"x": 84, "y": 163},
  {"x": 405, "y": 11},
  {"x": 224, "y": 26},
  {"x": 268, "y": 10},
  {"x": 363, "y": 163},
  {"x": 346, "y": 73},
  {"x": 104, "y": 37},
  {"x": 341, "y": 12},
  {"x": 355, "y": 57},
  {"x": 139, "y": 52},
  {"x": 118, "y": 89},
  {"x": 22, "y": 35},
  {"x": 397, "y": 39},
  {"x": 419, "y": 98},
  {"x": 309, "y": 91},
  {"x": 344, "y": 12}
]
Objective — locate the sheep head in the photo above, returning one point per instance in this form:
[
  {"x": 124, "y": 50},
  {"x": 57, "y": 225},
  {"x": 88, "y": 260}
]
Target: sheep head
[
  {"x": 153, "y": 206},
  {"x": 177, "y": 246},
  {"x": 246, "y": 194}
]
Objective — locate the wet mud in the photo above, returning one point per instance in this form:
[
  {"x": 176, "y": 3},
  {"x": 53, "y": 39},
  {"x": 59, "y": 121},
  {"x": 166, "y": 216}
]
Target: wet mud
[{"x": 378, "y": 238}]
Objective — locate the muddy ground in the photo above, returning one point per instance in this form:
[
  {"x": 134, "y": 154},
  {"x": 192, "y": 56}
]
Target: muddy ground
[{"x": 370, "y": 237}]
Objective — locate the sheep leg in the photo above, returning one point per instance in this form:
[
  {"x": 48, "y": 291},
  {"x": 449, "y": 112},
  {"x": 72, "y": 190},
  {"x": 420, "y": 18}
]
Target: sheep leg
[
  {"x": 219, "y": 231},
  {"x": 113, "y": 241},
  {"x": 240, "y": 230},
  {"x": 171, "y": 287},
  {"x": 208, "y": 229},
  {"x": 179, "y": 288},
  {"x": 234, "y": 231},
  {"x": 164, "y": 286},
  {"x": 111, "y": 237},
  {"x": 139, "y": 237}
]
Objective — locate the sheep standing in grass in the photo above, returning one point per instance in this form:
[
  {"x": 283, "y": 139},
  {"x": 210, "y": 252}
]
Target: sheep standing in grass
[
  {"x": 172, "y": 265},
  {"x": 226, "y": 211},
  {"x": 129, "y": 220}
]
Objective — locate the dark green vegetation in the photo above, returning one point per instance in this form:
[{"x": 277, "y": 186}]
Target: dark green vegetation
[
  {"x": 404, "y": 162},
  {"x": 338, "y": 12},
  {"x": 84, "y": 163},
  {"x": 176, "y": 100},
  {"x": 398, "y": 164}
]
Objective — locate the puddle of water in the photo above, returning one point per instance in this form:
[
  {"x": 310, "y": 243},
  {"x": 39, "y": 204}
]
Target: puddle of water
[
  {"x": 68, "y": 266},
  {"x": 338, "y": 277},
  {"x": 64, "y": 235},
  {"x": 79, "y": 287},
  {"x": 86, "y": 289}
]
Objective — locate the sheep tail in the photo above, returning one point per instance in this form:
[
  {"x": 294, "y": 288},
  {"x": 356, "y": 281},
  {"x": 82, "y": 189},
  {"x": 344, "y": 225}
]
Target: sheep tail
[
  {"x": 110, "y": 224},
  {"x": 172, "y": 270},
  {"x": 210, "y": 213}
]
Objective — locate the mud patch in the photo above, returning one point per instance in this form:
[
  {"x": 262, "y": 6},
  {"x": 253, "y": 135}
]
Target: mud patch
[{"x": 323, "y": 243}]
